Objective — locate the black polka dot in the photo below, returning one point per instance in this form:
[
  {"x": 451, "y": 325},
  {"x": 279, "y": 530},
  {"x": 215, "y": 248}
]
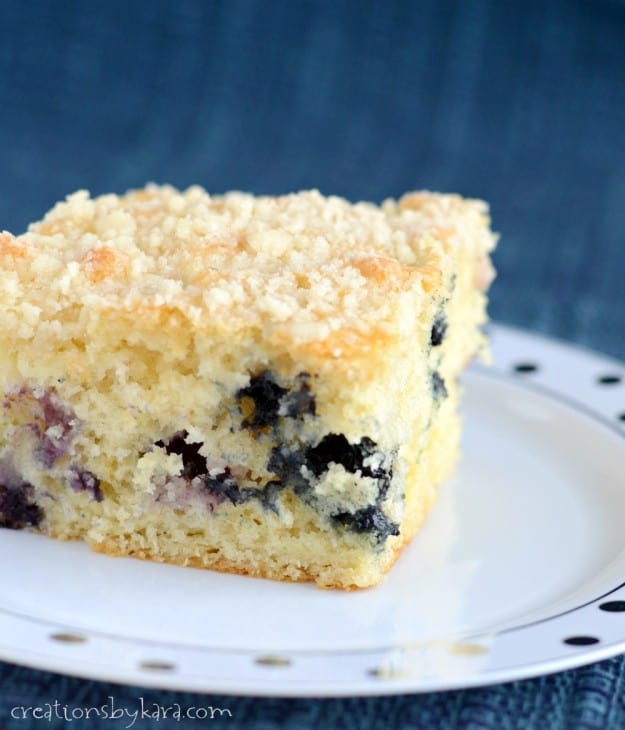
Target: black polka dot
[
  {"x": 612, "y": 606},
  {"x": 609, "y": 379},
  {"x": 621, "y": 417},
  {"x": 581, "y": 640},
  {"x": 525, "y": 367}
]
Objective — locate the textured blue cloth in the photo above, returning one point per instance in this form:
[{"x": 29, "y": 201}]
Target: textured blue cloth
[{"x": 521, "y": 103}]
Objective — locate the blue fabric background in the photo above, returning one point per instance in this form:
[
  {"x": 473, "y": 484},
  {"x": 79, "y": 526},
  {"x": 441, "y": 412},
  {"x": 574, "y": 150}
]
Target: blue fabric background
[{"x": 521, "y": 103}]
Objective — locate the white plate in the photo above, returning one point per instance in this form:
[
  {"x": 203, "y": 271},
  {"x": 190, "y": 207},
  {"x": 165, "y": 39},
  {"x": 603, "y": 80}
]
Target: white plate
[{"x": 519, "y": 571}]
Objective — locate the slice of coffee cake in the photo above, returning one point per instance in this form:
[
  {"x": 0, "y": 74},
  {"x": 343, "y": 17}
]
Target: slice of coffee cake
[{"x": 260, "y": 385}]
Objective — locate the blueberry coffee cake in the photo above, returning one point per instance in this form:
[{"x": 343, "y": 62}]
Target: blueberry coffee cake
[{"x": 255, "y": 385}]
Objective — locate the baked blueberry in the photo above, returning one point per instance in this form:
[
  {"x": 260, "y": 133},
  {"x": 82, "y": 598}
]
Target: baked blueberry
[
  {"x": 266, "y": 395},
  {"x": 439, "y": 329},
  {"x": 439, "y": 389},
  {"x": 335, "y": 448},
  {"x": 370, "y": 519},
  {"x": 57, "y": 430},
  {"x": 269, "y": 494},
  {"x": 287, "y": 464},
  {"x": 85, "y": 481},
  {"x": 221, "y": 485},
  {"x": 16, "y": 508},
  {"x": 290, "y": 463},
  {"x": 271, "y": 401},
  {"x": 193, "y": 463},
  {"x": 224, "y": 486},
  {"x": 300, "y": 401}
]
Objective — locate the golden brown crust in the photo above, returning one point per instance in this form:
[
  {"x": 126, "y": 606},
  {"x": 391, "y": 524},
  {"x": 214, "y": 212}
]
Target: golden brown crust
[
  {"x": 303, "y": 265},
  {"x": 9, "y": 248},
  {"x": 113, "y": 548}
]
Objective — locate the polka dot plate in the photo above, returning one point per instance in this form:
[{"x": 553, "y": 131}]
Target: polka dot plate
[{"x": 519, "y": 571}]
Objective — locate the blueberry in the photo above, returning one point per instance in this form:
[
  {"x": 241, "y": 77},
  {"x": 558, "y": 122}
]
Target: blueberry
[
  {"x": 384, "y": 482},
  {"x": 287, "y": 464},
  {"x": 16, "y": 509},
  {"x": 332, "y": 448},
  {"x": 439, "y": 329},
  {"x": 367, "y": 448},
  {"x": 336, "y": 448},
  {"x": 85, "y": 481},
  {"x": 299, "y": 402},
  {"x": 370, "y": 519},
  {"x": 49, "y": 451},
  {"x": 223, "y": 486},
  {"x": 193, "y": 463},
  {"x": 53, "y": 413},
  {"x": 439, "y": 389},
  {"x": 55, "y": 416},
  {"x": 269, "y": 494},
  {"x": 272, "y": 401},
  {"x": 266, "y": 395}
]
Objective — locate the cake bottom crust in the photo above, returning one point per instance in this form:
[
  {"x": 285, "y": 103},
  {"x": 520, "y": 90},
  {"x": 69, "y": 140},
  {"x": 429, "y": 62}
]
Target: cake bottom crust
[{"x": 325, "y": 576}]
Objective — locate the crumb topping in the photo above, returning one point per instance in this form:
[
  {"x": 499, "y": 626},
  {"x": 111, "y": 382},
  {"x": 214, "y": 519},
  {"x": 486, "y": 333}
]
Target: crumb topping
[{"x": 308, "y": 264}]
